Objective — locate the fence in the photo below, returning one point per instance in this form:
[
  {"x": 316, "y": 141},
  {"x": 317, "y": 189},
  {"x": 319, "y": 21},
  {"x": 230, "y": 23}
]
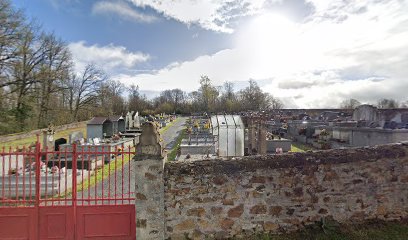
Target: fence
[{"x": 44, "y": 182}]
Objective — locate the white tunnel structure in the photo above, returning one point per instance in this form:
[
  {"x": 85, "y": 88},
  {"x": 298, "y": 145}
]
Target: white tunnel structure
[{"x": 229, "y": 130}]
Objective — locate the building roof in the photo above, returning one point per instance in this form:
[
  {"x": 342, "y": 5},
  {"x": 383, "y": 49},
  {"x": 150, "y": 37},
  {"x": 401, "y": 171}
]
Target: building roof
[
  {"x": 228, "y": 121},
  {"x": 115, "y": 118},
  {"x": 97, "y": 121}
]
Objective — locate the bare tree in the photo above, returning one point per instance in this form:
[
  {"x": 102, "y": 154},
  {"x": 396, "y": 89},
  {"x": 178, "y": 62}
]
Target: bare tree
[
  {"x": 24, "y": 77},
  {"x": 84, "y": 89},
  {"x": 350, "y": 103},
  {"x": 111, "y": 98},
  {"x": 387, "y": 103},
  {"x": 137, "y": 101},
  {"x": 55, "y": 71},
  {"x": 11, "y": 30},
  {"x": 209, "y": 93},
  {"x": 275, "y": 103},
  {"x": 252, "y": 97},
  {"x": 175, "y": 97}
]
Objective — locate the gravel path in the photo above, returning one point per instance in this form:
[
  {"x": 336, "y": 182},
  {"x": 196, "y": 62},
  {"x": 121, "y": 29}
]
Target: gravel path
[
  {"x": 108, "y": 185},
  {"x": 170, "y": 136}
]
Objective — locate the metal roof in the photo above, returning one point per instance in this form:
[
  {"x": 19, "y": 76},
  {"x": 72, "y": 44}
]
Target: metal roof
[
  {"x": 115, "y": 118},
  {"x": 228, "y": 121},
  {"x": 97, "y": 121}
]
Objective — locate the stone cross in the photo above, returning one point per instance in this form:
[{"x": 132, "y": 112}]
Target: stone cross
[{"x": 48, "y": 137}]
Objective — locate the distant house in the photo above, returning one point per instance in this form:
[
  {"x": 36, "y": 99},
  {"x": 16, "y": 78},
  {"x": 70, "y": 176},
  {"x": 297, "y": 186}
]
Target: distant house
[
  {"x": 118, "y": 123},
  {"x": 99, "y": 127}
]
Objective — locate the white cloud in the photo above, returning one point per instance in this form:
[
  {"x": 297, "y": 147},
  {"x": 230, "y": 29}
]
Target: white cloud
[
  {"x": 344, "y": 50},
  {"x": 212, "y": 15},
  {"x": 111, "y": 58},
  {"x": 121, "y": 9}
]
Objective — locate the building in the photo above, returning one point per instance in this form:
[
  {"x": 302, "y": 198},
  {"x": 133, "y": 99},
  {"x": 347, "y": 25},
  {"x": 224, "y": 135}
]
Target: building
[
  {"x": 229, "y": 130},
  {"x": 99, "y": 127},
  {"x": 118, "y": 124}
]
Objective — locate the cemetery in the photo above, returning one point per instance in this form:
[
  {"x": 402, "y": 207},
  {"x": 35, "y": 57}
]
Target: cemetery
[
  {"x": 364, "y": 126},
  {"x": 218, "y": 135},
  {"x": 105, "y": 137}
]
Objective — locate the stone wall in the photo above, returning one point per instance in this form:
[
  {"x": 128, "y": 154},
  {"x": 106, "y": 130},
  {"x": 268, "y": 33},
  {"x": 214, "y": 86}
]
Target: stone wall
[
  {"x": 18, "y": 136},
  {"x": 225, "y": 198}
]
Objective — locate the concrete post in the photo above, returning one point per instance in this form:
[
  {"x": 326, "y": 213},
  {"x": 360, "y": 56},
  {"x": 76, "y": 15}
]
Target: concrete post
[
  {"x": 262, "y": 137},
  {"x": 251, "y": 135},
  {"x": 149, "y": 166}
]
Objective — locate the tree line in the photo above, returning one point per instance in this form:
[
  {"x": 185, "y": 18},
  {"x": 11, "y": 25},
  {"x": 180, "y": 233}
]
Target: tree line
[
  {"x": 383, "y": 103},
  {"x": 212, "y": 99},
  {"x": 39, "y": 84}
]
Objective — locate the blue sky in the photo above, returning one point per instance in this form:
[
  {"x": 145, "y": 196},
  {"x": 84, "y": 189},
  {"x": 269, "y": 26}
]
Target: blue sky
[
  {"x": 165, "y": 40},
  {"x": 309, "y": 53}
]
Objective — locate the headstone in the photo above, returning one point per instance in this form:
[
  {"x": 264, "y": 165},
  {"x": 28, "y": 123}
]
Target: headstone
[
  {"x": 127, "y": 120},
  {"x": 136, "y": 120},
  {"x": 59, "y": 142},
  {"x": 75, "y": 136},
  {"x": 48, "y": 137},
  {"x": 10, "y": 162}
]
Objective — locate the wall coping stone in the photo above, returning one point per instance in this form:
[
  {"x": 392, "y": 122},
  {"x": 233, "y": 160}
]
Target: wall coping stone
[{"x": 286, "y": 160}]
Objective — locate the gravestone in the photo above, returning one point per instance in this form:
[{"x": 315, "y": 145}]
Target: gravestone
[
  {"x": 75, "y": 137},
  {"x": 131, "y": 120},
  {"x": 58, "y": 142},
  {"x": 48, "y": 138},
  {"x": 136, "y": 120}
]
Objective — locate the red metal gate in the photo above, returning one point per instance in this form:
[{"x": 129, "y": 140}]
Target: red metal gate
[{"x": 81, "y": 192}]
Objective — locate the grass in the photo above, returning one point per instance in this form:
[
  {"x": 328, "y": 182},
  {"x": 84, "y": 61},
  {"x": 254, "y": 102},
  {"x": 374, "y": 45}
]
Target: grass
[
  {"x": 101, "y": 173},
  {"x": 104, "y": 171},
  {"x": 298, "y": 147},
  {"x": 33, "y": 139},
  {"x": 60, "y": 134},
  {"x": 371, "y": 230},
  {"x": 173, "y": 153}
]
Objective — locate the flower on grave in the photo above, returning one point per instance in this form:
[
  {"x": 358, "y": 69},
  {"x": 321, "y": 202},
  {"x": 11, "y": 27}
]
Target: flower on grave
[
  {"x": 54, "y": 169},
  {"x": 12, "y": 171}
]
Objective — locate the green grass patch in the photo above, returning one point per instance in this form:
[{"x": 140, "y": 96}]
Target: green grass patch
[
  {"x": 173, "y": 153},
  {"x": 298, "y": 147},
  {"x": 102, "y": 173},
  {"x": 111, "y": 167},
  {"x": 33, "y": 139},
  {"x": 371, "y": 230}
]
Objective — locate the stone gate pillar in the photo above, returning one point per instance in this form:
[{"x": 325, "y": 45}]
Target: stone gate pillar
[
  {"x": 262, "y": 137},
  {"x": 149, "y": 186},
  {"x": 251, "y": 135}
]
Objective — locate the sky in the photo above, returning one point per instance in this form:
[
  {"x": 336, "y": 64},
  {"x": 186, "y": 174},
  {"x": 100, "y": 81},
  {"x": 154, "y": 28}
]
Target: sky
[{"x": 308, "y": 53}]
